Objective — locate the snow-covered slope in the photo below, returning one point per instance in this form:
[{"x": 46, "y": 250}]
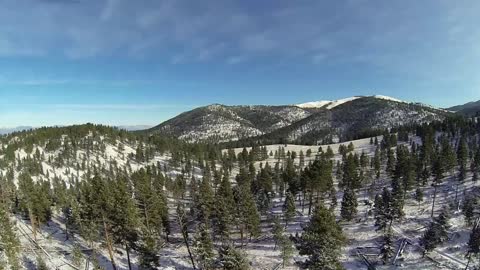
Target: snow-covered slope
[
  {"x": 469, "y": 109},
  {"x": 388, "y": 98},
  {"x": 328, "y": 104},
  {"x": 220, "y": 123},
  {"x": 314, "y": 104},
  {"x": 336, "y": 103},
  {"x": 352, "y": 119}
]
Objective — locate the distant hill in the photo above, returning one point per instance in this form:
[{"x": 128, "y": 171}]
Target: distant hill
[
  {"x": 134, "y": 127},
  {"x": 221, "y": 123},
  {"x": 468, "y": 109},
  {"x": 8, "y": 130},
  {"x": 310, "y": 122}
]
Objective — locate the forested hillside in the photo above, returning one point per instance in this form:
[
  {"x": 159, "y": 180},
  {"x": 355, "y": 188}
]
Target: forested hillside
[
  {"x": 310, "y": 123},
  {"x": 94, "y": 197}
]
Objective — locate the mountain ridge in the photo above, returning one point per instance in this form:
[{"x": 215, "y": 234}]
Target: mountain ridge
[
  {"x": 313, "y": 120},
  {"x": 469, "y": 109}
]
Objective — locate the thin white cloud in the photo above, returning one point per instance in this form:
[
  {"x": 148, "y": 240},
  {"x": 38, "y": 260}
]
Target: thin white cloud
[
  {"x": 183, "y": 31},
  {"x": 236, "y": 59}
]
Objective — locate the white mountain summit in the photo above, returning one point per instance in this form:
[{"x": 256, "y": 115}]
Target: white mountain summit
[{"x": 330, "y": 104}]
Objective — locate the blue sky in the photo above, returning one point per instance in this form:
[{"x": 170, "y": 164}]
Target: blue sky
[{"x": 124, "y": 62}]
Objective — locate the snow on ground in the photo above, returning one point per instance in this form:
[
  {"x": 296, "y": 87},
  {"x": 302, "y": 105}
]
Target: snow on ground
[
  {"x": 362, "y": 233},
  {"x": 328, "y": 104},
  {"x": 314, "y": 104},
  {"x": 261, "y": 252},
  {"x": 388, "y": 98},
  {"x": 338, "y": 102}
]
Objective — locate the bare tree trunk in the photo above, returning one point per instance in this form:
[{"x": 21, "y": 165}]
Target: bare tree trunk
[
  {"x": 434, "y": 197},
  {"x": 109, "y": 244},
  {"x": 66, "y": 228},
  {"x": 127, "y": 249},
  {"x": 310, "y": 204},
  {"x": 469, "y": 259},
  {"x": 33, "y": 222},
  {"x": 241, "y": 235},
  {"x": 184, "y": 230},
  {"x": 456, "y": 193}
]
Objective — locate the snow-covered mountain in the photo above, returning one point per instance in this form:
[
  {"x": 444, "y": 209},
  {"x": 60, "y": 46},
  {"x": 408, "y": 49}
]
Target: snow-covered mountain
[
  {"x": 353, "y": 119},
  {"x": 307, "y": 122},
  {"x": 330, "y": 104},
  {"x": 469, "y": 109},
  {"x": 221, "y": 123},
  {"x": 326, "y": 104}
]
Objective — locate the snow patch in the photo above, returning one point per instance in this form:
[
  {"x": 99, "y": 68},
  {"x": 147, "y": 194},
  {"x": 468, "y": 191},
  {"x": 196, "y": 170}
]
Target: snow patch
[
  {"x": 336, "y": 103},
  {"x": 388, "y": 98},
  {"x": 314, "y": 104},
  {"x": 328, "y": 104}
]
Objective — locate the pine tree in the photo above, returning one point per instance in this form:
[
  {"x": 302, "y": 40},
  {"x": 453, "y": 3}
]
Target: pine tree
[
  {"x": 77, "y": 256},
  {"x": 419, "y": 195},
  {"x": 183, "y": 223},
  {"x": 277, "y": 230},
  {"x": 149, "y": 258},
  {"x": 8, "y": 239},
  {"x": 349, "y": 205},
  {"x": 41, "y": 265},
  {"x": 289, "y": 208},
  {"x": 96, "y": 206},
  {"x": 383, "y": 210},
  {"x": 333, "y": 198},
  {"x": 377, "y": 162},
  {"x": 286, "y": 249},
  {"x": 436, "y": 232},
  {"x": 438, "y": 171},
  {"x": 473, "y": 243},
  {"x": 321, "y": 241},
  {"x": 247, "y": 213},
  {"x": 468, "y": 209},
  {"x": 203, "y": 248},
  {"x": 398, "y": 199},
  {"x": 224, "y": 208},
  {"x": 390, "y": 162},
  {"x": 124, "y": 217},
  {"x": 206, "y": 197},
  {"x": 290, "y": 177},
  {"x": 387, "y": 251},
  {"x": 34, "y": 200},
  {"x": 233, "y": 259}
]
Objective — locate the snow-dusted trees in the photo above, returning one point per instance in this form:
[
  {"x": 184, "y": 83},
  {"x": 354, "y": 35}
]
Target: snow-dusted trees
[
  {"x": 124, "y": 217},
  {"x": 473, "y": 243},
  {"x": 436, "y": 232},
  {"x": 203, "y": 247},
  {"x": 383, "y": 211},
  {"x": 349, "y": 204},
  {"x": 247, "y": 213},
  {"x": 224, "y": 215},
  {"x": 317, "y": 180},
  {"x": 468, "y": 208},
  {"x": 96, "y": 206},
  {"x": 9, "y": 242},
  {"x": 289, "y": 208},
  {"x": 35, "y": 200},
  {"x": 321, "y": 241},
  {"x": 387, "y": 249},
  {"x": 438, "y": 169},
  {"x": 233, "y": 259},
  {"x": 183, "y": 220}
]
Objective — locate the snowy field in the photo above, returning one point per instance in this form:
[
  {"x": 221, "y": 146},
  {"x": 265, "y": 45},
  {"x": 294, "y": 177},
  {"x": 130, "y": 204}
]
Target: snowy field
[{"x": 57, "y": 252}]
